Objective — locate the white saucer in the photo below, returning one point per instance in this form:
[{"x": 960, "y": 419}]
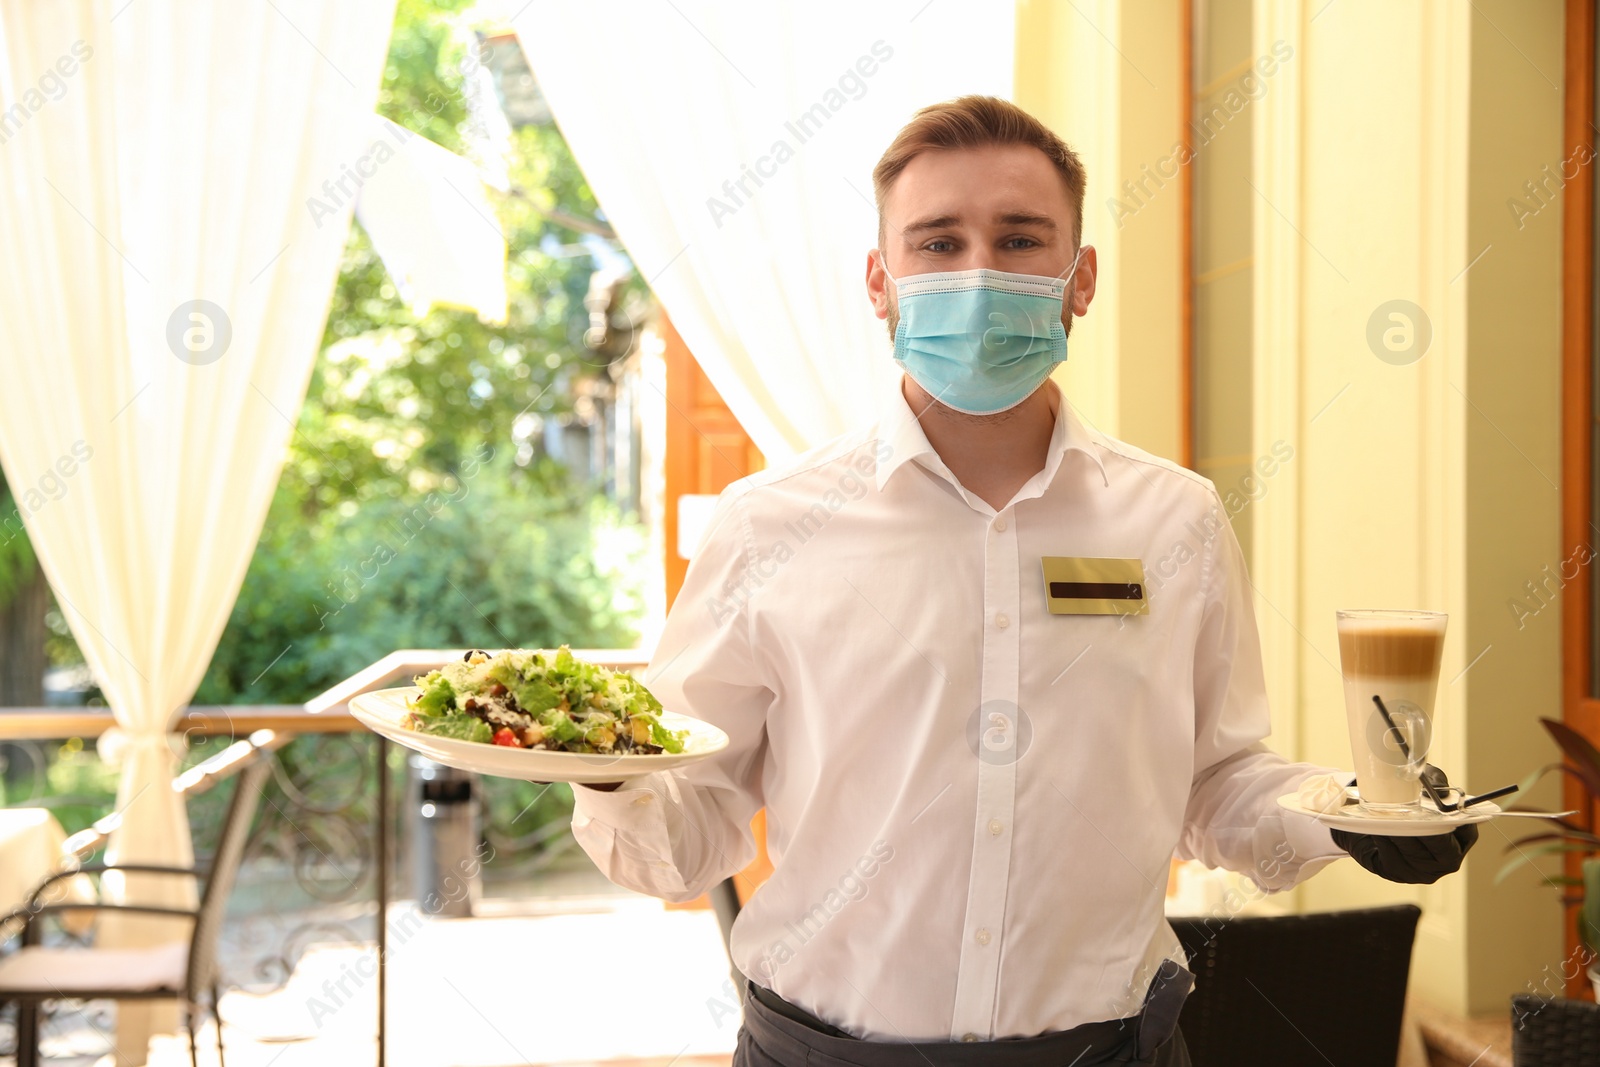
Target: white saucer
[
  {"x": 1358, "y": 820},
  {"x": 384, "y": 711}
]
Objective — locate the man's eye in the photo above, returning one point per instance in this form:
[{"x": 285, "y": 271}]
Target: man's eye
[
  {"x": 939, "y": 245},
  {"x": 1022, "y": 242}
]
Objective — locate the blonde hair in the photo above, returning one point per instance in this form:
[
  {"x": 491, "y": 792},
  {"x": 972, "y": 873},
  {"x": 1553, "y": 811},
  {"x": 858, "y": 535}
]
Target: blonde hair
[{"x": 975, "y": 122}]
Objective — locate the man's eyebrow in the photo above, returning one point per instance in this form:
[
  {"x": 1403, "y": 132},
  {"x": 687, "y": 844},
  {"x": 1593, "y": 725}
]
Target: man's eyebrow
[
  {"x": 936, "y": 222},
  {"x": 1027, "y": 218}
]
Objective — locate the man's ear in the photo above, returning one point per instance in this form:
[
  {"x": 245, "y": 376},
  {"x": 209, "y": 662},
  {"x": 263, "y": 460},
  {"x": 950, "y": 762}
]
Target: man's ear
[
  {"x": 877, "y": 284},
  {"x": 1084, "y": 280}
]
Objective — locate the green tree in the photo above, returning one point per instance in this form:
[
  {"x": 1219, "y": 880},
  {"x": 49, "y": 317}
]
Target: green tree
[
  {"x": 416, "y": 508},
  {"x": 398, "y": 409}
]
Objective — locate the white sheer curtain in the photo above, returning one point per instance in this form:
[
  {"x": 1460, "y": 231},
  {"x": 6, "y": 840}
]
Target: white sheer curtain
[
  {"x": 667, "y": 107},
  {"x": 153, "y": 155},
  {"x": 428, "y": 217}
]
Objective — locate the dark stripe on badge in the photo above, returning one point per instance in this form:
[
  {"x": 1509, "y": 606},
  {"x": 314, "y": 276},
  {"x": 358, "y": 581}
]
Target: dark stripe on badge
[{"x": 1096, "y": 591}]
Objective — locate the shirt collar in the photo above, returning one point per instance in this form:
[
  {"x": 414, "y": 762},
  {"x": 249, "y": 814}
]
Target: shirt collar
[{"x": 899, "y": 428}]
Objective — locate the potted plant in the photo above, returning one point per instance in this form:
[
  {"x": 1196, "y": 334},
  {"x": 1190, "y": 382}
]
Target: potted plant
[{"x": 1582, "y": 763}]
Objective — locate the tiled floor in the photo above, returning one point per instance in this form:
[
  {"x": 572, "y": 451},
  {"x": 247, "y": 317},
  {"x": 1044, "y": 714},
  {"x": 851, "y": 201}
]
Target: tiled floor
[{"x": 631, "y": 983}]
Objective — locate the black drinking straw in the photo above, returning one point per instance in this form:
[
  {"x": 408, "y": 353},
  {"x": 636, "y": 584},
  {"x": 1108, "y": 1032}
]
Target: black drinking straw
[
  {"x": 1490, "y": 795},
  {"x": 1405, "y": 750}
]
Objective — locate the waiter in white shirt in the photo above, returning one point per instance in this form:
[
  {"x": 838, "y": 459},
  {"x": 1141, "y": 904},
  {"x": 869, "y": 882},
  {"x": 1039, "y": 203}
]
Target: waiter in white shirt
[{"x": 986, "y": 668}]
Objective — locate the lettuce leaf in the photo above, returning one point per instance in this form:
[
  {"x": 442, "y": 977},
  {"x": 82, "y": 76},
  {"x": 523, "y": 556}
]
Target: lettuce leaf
[
  {"x": 504, "y": 671},
  {"x": 669, "y": 740},
  {"x": 459, "y": 726},
  {"x": 436, "y": 698},
  {"x": 559, "y": 725},
  {"x": 535, "y": 696}
]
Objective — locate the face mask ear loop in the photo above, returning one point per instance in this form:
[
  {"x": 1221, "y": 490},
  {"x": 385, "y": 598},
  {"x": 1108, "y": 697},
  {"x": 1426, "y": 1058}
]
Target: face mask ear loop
[
  {"x": 883, "y": 262},
  {"x": 1073, "y": 270}
]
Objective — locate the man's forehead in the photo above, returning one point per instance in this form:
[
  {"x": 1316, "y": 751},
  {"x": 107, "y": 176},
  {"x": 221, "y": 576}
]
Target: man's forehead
[{"x": 996, "y": 185}]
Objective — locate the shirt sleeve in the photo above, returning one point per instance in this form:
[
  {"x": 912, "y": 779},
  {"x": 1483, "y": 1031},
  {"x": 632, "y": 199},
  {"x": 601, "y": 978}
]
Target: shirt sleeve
[
  {"x": 674, "y": 834},
  {"x": 1233, "y": 818}
]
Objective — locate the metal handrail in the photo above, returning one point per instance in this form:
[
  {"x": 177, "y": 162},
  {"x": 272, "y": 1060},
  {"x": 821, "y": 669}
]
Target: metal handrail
[
  {"x": 192, "y": 782},
  {"x": 327, "y": 712},
  {"x": 273, "y": 727}
]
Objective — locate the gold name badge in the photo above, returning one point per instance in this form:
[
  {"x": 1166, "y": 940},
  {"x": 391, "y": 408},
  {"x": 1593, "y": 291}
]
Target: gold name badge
[{"x": 1094, "y": 586}]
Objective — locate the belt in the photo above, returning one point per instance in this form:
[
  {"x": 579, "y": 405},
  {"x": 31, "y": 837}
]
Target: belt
[{"x": 791, "y": 1035}]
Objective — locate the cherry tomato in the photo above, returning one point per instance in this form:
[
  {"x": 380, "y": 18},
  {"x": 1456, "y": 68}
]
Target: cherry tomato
[{"x": 507, "y": 737}]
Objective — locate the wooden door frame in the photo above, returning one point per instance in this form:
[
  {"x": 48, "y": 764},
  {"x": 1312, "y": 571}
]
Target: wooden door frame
[{"x": 1580, "y": 710}]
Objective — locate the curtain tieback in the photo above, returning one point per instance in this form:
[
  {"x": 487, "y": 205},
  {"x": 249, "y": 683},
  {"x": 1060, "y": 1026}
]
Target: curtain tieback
[{"x": 118, "y": 743}]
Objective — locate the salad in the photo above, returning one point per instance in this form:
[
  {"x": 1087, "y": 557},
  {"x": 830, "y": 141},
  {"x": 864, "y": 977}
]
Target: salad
[{"x": 543, "y": 700}]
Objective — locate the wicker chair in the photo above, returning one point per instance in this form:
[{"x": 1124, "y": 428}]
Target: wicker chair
[
  {"x": 181, "y": 971},
  {"x": 1254, "y": 1002},
  {"x": 1551, "y": 1032}
]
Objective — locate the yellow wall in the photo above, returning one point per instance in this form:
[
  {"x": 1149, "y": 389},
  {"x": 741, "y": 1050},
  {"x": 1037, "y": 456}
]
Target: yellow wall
[
  {"x": 1418, "y": 486},
  {"x": 1383, "y": 157},
  {"x": 1119, "y": 107},
  {"x": 1512, "y": 430}
]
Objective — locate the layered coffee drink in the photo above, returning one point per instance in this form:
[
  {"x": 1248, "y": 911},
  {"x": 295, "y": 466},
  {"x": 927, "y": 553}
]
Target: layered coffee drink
[{"x": 1393, "y": 656}]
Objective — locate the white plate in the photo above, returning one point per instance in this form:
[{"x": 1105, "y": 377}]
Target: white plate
[
  {"x": 384, "y": 712},
  {"x": 1359, "y": 821}
]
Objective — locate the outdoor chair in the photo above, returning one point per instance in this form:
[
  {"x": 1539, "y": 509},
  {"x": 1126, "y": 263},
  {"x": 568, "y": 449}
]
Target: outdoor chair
[
  {"x": 1297, "y": 988},
  {"x": 181, "y": 971},
  {"x": 1553, "y": 1032}
]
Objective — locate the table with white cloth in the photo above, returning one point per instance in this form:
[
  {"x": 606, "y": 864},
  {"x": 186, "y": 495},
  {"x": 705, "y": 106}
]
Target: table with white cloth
[{"x": 30, "y": 851}]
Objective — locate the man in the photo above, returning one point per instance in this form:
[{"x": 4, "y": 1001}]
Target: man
[{"x": 979, "y": 723}]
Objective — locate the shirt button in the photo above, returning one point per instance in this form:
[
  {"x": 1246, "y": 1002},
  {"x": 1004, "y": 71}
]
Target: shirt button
[
  {"x": 982, "y": 937},
  {"x": 1002, "y": 620},
  {"x": 969, "y": 1037},
  {"x": 995, "y": 827},
  {"x": 1000, "y": 523}
]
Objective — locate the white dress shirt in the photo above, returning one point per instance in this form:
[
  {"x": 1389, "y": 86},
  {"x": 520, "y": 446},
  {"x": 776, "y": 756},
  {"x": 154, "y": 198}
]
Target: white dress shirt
[{"x": 971, "y": 802}]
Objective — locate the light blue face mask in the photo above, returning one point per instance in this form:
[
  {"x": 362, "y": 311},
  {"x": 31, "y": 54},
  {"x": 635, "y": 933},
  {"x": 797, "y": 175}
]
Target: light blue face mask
[{"x": 980, "y": 341}]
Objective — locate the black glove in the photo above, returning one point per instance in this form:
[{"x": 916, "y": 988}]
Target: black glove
[{"x": 1412, "y": 860}]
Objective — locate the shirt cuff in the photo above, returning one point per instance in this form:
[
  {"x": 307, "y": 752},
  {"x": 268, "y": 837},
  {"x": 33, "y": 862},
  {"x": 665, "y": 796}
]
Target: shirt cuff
[
  {"x": 634, "y": 804},
  {"x": 1312, "y": 842}
]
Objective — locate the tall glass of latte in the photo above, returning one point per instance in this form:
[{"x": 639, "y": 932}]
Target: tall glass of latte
[{"x": 1392, "y": 656}]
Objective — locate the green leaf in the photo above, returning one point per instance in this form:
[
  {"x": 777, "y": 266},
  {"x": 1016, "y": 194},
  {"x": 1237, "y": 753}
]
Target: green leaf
[
  {"x": 1589, "y": 917},
  {"x": 17, "y": 561},
  {"x": 1526, "y": 785},
  {"x": 1591, "y": 841},
  {"x": 536, "y": 696},
  {"x": 1526, "y": 856},
  {"x": 457, "y": 725},
  {"x": 1560, "y": 881},
  {"x": 437, "y": 698},
  {"x": 650, "y": 700},
  {"x": 1584, "y": 757},
  {"x": 502, "y": 671},
  {"x": 669, "y": 740},
  {"x": 559, "y": 725}
]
